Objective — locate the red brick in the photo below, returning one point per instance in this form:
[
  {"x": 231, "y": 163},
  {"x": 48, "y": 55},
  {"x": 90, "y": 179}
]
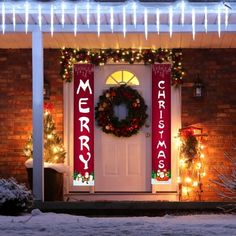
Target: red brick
[{"x": 16, "y": 105}]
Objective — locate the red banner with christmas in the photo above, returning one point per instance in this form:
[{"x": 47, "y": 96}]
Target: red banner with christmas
[
  {"x": 83, "y": 125},
  {"x": 161, "y": 123}
]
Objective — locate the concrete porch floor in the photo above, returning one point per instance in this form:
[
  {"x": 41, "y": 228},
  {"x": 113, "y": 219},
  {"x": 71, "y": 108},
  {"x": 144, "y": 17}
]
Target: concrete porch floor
[{"x": 132, "y": 208}]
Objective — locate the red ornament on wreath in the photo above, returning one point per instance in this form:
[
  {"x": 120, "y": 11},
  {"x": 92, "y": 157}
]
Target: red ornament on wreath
[{"x": 136, "y": 115}]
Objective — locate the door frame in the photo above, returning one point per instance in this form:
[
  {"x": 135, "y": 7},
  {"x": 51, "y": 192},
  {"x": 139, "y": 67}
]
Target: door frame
[{"x": 68, "y": 102}]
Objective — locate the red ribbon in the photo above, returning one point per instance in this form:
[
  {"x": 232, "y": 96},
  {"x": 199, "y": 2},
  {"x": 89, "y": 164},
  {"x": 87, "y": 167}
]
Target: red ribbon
[{"x": 48, "y": 106}]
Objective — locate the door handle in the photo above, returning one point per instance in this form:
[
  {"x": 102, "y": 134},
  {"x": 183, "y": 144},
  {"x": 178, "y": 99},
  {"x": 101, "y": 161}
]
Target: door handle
[{"x": 147, "y": 135}]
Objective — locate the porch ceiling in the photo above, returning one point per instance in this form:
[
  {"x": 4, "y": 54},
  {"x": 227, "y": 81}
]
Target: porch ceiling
[
  {"x": 134, "y": 40},
  {"x": 145, "y": 24}
]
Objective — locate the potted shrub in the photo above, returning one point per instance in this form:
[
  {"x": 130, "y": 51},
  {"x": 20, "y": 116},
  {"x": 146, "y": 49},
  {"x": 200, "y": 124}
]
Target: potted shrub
[{"x": 54, "y": 156}]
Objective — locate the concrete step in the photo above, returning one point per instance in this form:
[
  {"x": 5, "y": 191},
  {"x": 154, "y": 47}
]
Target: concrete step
[
  {"x": 132, "y": 208},
  {"x": 122, "y": 196}
]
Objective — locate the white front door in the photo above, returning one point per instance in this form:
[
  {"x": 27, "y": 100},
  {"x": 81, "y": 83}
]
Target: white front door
[{"x": 123, "y": 164}]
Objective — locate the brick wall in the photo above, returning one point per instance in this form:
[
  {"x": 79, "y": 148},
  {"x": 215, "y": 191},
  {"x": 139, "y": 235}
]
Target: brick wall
[
  {"x": 16, "y": 105},
  {"x": 216, "y": 113}
]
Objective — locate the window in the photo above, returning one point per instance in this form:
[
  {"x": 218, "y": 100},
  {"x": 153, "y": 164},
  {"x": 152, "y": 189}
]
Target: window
[{"x": 122, "y": 77}]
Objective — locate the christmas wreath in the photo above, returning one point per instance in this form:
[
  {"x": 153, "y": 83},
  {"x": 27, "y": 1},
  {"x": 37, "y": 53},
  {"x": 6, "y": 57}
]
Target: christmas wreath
[
  {"x": 189, "y": 147},
  {"x": 136, "y": 111}
]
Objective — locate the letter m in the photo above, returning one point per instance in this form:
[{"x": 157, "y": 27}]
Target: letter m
[
  {"x": 84, "y": 86},
  {"x": 161, "y": 144}
]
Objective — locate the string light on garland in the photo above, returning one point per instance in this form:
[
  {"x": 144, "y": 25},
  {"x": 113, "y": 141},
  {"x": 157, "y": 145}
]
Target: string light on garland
[
  {"x": 97, "y": 57},
  {"x": 191, "y": 163}
]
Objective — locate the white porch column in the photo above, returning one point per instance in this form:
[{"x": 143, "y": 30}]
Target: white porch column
[{"x": 37, "y": 67}]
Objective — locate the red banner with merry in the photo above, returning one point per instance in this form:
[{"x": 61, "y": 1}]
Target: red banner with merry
[
  {"x": 161, "y": 123},
  {"x": 83, "y": 125}
]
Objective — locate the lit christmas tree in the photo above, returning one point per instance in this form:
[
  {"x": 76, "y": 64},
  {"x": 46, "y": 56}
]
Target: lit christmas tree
[{"x": 54, "y": 151}]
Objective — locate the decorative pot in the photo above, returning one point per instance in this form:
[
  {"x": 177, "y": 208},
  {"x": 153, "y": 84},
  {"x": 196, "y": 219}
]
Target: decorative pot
[{"x": 53, "y": 184}]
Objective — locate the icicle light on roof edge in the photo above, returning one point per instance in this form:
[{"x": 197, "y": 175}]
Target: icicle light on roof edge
[{"x": 57, "y": 14}]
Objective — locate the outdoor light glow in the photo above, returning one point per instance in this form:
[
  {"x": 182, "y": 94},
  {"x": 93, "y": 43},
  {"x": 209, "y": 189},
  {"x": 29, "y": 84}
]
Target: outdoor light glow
[
  {"x": 124, "y": 21},
  {"x": 52, "y": 15},
  {"x": 98, "y": 19},
  {"x": 63, "y": 14},
  {"x": 134, "y": 14},
  {"x": 171, "y": 21},
  {"x": 182, "y": 11},
  {"x": 219, "y": 22},
  {"x": 205, "y": 19},
  {"x": 88, "y": 13},
  {"x": 178, "y": 142},
  {"x": 26, "y": 16},
  {"x": 158, "y": 20},
  {"x": 146, "y": 23},
  {"x": 55, "y": 149},
  {"x": 112, "y": 19},
  {"x": 14, "y": 18},
  {"x": 185, "y": 190},
  {"x": 75, "y": 20},
  {"x": 199, "y": 165},
  {"x": 182, "y": 162},
  {"x": 3, "y": 18},
  {"x": 191, "y": 170},
  {"x": 40, "y": 16},
  {"x": 193, "y": 23},
  {"x": 188, "y": 180},
  {"x": 226, "y": 17},
  {"x": 179, "y": 180}
]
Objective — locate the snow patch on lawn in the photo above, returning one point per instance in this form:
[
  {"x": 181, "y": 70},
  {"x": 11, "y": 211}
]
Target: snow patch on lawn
[{"x": 40, "y": 224}]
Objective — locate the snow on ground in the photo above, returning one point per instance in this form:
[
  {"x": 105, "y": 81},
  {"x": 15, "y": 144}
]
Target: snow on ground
[{"x": 52, "y": 224}]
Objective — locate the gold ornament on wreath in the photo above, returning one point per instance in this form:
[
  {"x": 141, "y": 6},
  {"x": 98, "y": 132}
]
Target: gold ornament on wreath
[{"x": 136, "y": 111}]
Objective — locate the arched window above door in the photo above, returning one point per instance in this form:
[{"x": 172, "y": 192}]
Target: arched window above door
[{"x": 122, "y": 77}]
